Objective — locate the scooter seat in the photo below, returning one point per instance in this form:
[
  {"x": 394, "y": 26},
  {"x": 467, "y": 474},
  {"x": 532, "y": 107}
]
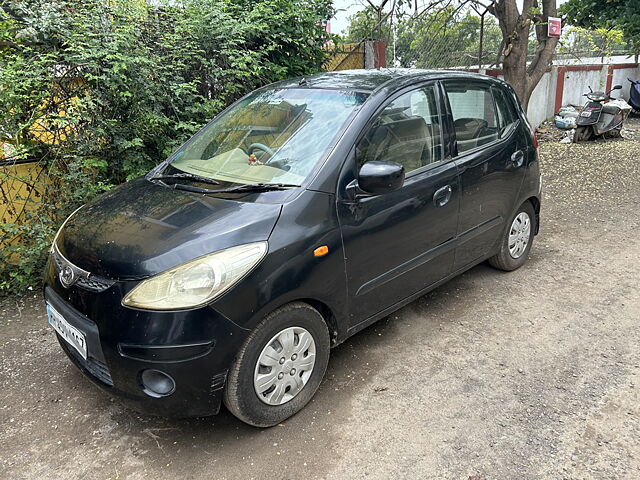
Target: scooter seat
[{"x": 612, "y": 109}]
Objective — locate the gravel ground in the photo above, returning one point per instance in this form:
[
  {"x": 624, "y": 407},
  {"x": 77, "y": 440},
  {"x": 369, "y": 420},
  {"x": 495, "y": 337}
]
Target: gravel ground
[{"x": 530, "y": 374}]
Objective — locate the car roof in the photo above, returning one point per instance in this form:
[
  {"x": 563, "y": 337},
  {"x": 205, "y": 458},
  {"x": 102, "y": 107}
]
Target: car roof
[{"x": 370, "y": 80}]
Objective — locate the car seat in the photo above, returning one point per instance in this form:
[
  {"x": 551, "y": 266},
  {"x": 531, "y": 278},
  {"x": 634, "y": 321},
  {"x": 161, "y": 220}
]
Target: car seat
[
  {"x": 406, "y": 141},
  {"x": 468, "y": 132}
]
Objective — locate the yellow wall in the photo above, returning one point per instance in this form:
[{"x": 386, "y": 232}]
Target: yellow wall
[
  {"x": 16, "y": 195},
  {"x": 22, "y": 183}
]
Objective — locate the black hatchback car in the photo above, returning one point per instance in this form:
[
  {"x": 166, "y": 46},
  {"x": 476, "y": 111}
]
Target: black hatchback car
[{"x": 304, "y": 212}]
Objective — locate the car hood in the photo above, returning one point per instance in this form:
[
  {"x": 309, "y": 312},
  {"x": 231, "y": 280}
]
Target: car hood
[{"x": 141, "y": 228}]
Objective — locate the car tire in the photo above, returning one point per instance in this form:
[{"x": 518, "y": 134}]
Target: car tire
[
  {"x": 241, "y": 395},
  {"x": 517, "y": 239}
]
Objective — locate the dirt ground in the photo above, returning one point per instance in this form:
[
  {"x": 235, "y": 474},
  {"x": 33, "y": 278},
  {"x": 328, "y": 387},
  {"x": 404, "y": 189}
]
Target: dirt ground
[{"x": 526, "y": 375}]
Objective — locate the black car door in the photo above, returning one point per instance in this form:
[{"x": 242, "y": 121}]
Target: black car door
[
  {"x": 400, "y": 242},
  {"x": 490, "y": 158}
]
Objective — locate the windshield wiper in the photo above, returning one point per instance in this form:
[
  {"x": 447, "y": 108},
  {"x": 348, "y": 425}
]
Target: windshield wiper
[
  {"x": 189, "y": 176},
  {"x": 258, "y": 187},
  {"x": 188, "y": 188},
  {"x": 251, "y": 187}
]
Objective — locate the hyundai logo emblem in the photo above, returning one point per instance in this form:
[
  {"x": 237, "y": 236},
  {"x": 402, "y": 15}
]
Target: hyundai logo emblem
[{"x": 67, "y": 276}]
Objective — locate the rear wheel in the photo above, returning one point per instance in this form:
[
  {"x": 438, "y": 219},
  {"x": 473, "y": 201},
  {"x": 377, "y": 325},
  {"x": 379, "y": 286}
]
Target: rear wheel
[
  {"x": 279, "y": 367},
  {"x": 615, "y": 133},
  {"x": 517, "y": 240}
]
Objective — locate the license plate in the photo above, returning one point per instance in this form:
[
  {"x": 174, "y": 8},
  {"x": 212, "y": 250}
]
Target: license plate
[
  {"x": 71, "y": 334},
  {"x": 585, "y": 114}
]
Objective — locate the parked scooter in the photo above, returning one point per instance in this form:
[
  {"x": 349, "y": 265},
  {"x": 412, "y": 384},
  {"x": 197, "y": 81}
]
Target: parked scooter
[
  {"x": 634, "y": 96},
  {"x": 597, "y": 118}
]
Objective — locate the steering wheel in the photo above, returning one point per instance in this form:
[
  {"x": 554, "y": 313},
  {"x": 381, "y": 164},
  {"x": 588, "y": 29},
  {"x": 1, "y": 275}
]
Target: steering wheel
[{"x": 260, "y": 146}]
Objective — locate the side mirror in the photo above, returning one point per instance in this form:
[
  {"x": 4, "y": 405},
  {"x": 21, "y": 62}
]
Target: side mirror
[
  {"x": 380, "y": 177},
  {"x": 617, "y": 87}
]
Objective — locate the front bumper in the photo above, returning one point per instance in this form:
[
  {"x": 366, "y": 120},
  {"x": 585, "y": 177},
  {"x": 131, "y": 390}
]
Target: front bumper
[{"x": 195, "y": 348}]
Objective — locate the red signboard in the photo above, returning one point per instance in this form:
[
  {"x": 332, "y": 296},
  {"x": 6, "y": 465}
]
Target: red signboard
[{"x": 555, "y": 27}]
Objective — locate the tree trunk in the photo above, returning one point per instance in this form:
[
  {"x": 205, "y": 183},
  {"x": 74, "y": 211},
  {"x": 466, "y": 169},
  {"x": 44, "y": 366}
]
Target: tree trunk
[{"x": 515, "y": 27}]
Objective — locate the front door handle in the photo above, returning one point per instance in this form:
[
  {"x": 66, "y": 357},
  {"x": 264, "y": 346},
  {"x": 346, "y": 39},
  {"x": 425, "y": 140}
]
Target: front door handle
[
  {"x": 517, "y": 158},
  {"x": 442, "y": 196}
]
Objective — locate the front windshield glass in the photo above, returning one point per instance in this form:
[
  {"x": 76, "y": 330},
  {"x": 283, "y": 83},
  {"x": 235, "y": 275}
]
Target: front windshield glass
[{"x": 272, "y": 136}]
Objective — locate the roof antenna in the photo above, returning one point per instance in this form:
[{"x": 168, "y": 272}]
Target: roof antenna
[{"x": 302, "y": 82}]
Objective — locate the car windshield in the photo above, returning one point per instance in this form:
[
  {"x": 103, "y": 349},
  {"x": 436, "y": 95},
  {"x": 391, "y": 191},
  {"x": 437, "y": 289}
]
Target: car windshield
[{"x": 272, "y": 136}]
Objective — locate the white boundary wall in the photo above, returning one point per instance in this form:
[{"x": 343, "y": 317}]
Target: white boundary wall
[{"x": 565, "y": 84}]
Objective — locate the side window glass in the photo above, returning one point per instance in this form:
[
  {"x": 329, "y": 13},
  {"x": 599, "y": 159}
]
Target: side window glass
[
  {"x": 407, "y": 132},
  {"x": 506, "y": 113},
  {"x": 474, "y": 115}
]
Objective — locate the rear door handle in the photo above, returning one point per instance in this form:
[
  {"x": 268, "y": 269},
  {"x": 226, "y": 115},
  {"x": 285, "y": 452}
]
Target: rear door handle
[
  {"x": 517, "y": 158},
  {"x": 442, "y": 196}
]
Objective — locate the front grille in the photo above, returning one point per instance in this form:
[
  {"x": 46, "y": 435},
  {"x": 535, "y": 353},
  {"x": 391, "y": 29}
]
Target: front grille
[
  {"x": 93, "y": 283},
  {"x": 95, "y": 367}
]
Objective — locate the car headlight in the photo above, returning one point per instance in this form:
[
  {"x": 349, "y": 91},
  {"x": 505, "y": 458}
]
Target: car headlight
[{"x": 198, "y": 281}]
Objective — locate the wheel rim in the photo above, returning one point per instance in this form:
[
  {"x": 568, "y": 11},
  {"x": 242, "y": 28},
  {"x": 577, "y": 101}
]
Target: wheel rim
[
  {"x": 284, "y": 366},
  {"x": 519, "y": 234}
]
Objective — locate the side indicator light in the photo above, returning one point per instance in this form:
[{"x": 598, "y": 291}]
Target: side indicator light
[{"x": 321, "y": 251}]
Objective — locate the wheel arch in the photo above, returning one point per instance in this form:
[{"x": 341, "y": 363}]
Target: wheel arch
[
  {"x": 535, "y": 201},
  {"x": 337, "y": 332},
  {"x": 328, "y": 316}
]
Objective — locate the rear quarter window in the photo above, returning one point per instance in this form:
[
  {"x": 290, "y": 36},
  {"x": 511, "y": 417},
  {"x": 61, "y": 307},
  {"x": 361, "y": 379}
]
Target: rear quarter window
[{"x": 507, "y": 115}]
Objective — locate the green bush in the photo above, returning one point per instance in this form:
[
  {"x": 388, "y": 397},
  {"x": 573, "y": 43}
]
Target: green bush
[{"x": 100, "y": 91}]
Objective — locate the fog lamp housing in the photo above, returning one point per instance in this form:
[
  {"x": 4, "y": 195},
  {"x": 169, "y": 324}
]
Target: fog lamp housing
[{"x": 156, "y": 383}]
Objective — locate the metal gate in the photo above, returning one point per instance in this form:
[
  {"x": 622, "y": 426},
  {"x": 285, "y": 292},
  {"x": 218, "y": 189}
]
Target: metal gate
[{"x": 347, "y": 56}]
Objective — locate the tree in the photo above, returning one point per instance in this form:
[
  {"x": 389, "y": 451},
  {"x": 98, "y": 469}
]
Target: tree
[
  {"x": 601, "y": 42},
  {"x": 365, "y": 24},
  {"x": 623, "y": 15},
  {"x": 438, "y": 38},
  {"x": 523, "y": 34},
  {"x": 516, "y": 28},
  {"x": 101, "y": 91},
  {"x": 445, "y": 38}
]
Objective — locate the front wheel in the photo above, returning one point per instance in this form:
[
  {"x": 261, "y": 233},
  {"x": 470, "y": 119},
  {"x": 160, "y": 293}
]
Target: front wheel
[
  {"x": 516, "y": 240},
  {"x": 279, "y": 367},
  {"x": 583, "y": 133}
]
